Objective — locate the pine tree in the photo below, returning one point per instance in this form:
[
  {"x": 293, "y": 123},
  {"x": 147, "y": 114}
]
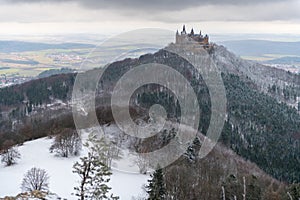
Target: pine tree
[
  {"x": 94, "y": 173},
  {"x": 156, "y": 188},
  {"x": 192, "y": 150}
]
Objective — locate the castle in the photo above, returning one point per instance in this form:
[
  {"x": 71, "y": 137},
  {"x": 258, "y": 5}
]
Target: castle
[{"x": 185, "y": 37}]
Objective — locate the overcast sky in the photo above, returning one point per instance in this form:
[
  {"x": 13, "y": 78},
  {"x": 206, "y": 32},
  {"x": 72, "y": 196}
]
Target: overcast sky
[{"x": 111, "y": 16}]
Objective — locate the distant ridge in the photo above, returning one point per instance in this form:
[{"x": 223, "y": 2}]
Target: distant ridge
[
  {"x": 18, "y": 46},
  {"x": 261, "y": 47},
  {"x": 290, "y": 60}
]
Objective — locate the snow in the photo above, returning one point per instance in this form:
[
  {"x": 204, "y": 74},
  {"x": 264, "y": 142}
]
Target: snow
[{"x": 125, "y": 183}]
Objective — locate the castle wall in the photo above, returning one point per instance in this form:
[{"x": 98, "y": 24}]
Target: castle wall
[
  {"x": 184, "y": 38},
  {"x": 181, "y": 39}
]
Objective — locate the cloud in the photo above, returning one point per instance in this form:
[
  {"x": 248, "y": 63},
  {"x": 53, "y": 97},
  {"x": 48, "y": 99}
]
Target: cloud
[
  {"x": 166, "y": 11},
  {"x": 113, "y": 16},
  {"x": 279, "y": 11},
  {"x": 153, "y": 5}
]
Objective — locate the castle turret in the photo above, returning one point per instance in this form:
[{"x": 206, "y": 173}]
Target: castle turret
[{"x": 177, "y": 37}]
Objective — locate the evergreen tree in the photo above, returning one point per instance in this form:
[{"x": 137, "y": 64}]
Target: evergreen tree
[
  {"x": 156, "y": 188},
  {"x": 94, "y": 174},
  {"x": 192, "y": 150}
]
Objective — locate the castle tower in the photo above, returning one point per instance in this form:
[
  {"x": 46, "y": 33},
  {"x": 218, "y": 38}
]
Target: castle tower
[
  {"x": 206, "y": 38},
  {"x": 192, "y": 31}
]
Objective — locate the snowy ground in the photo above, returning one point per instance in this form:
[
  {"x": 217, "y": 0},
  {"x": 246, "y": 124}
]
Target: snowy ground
[{"x": 125, "y": 183}]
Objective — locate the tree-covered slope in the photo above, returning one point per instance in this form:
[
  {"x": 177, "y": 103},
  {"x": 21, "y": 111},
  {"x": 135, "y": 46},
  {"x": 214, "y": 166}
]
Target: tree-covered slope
[{"x": 258, "y": 127}]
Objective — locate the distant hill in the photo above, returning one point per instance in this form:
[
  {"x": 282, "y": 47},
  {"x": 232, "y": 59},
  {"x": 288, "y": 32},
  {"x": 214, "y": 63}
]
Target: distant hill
[
  {"x": 22, "y": 62},
  {"x": 291, "y": 60},
  {"x": 52, "y": 72},
  {"x": 18, "y": 46},
  {"x": 261, "y": 47}
]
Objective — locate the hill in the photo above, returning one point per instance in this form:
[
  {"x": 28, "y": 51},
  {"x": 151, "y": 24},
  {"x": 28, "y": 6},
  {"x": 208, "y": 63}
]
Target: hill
[
  {"x": 52, "y": 72},
  {"x": 262, "y": 122}
]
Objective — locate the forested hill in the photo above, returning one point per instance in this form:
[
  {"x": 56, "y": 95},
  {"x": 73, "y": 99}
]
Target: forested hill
[
  {"x": 37, "y": 92},
  {"x": 258, "y": 127}
]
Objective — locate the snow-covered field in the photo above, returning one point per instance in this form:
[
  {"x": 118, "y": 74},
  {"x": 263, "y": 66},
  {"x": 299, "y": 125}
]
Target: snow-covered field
[{"x": 125, "y": 183}]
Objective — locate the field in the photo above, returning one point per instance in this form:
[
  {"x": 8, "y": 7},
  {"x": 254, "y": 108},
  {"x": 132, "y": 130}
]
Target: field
[
  {"x": 31, "y": 63},
  {"x": 34, "y": 62}
]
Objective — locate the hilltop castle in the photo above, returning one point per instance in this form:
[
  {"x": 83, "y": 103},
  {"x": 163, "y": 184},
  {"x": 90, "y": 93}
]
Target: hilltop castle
[{"x": 185, "y": 37}]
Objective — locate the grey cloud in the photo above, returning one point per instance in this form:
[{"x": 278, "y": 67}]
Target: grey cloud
[
  {"x": 169, "y": 11},
  {"x": 149, "y": 5},
  {"x": 268, "y": 12}
]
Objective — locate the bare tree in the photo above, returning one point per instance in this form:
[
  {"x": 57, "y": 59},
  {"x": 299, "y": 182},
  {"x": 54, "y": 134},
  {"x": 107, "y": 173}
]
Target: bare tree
[
  {"x": 290, "y": 196},
  {"x": 67, "y": 143},
  {"x": 244, "y": 186},
  {"x": 10, "y": 156},
  {"x": 112, "y": 152},
  {"x": 35, "y": 179},
  {"x": 143, "y": 163},
  {"x": 223, "y": 193}
]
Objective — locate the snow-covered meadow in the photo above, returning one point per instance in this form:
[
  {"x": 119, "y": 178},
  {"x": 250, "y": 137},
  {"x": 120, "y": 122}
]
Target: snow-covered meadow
[{"x": 126, "y": 181}]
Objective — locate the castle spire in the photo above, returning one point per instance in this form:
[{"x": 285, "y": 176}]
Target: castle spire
[{"x": 183, "y": 30}]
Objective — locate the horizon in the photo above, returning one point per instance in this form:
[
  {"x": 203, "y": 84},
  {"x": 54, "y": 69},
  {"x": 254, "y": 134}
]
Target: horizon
[{"x": 94, "y": 38}]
